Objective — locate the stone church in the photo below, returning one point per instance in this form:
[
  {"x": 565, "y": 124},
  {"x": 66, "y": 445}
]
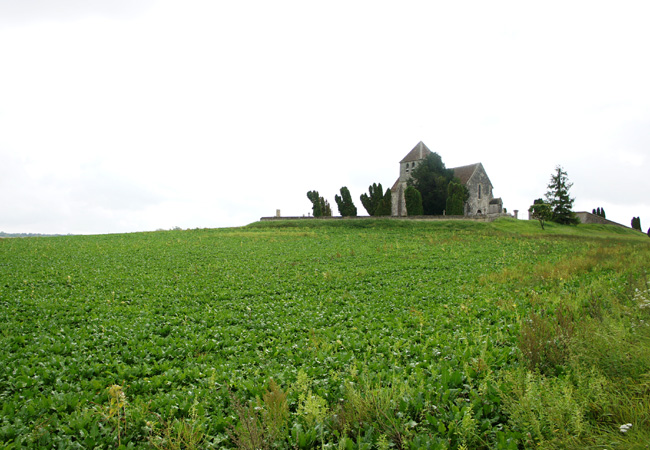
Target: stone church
[{"x": 481, "y": 202}]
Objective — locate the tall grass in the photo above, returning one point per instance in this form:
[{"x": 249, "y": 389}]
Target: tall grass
[{"x": 586, "y": 365}]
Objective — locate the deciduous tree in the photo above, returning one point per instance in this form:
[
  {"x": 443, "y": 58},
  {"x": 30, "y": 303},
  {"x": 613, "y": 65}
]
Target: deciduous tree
[{"x": 540, "y": 210}]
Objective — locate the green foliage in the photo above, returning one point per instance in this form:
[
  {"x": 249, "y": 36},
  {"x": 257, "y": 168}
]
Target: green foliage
[
  {"x": 320, "y": 206},
  {"x": 372, "y": 200},
  {"x": 544, "y": 341},
  {"x": 378, "y": 333},
  {"x": 179, "y": 434},
  {"x": 345, "y": 204},
  {"x": 413, "y": 201},
  {"x": 599, "y": 212},
  {"x": 558, "y": 197},
  {"x": 636, "y": 223},
  {"x": 325, "y": 207},
  {"x": 317, "y": 210},
  {"x": 385, "y": 207},
  {"x": 457, "y": 195},
  {"x": 377, "y": 203},
  {"x": 540, "y": 210},
  {"x": 431, "y": 178},
  {"x": 262, "y": 422},
  {"x": 551, "y": 410}
]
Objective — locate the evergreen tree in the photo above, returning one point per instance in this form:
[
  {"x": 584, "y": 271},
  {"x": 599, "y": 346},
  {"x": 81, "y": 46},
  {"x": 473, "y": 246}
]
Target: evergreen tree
[
  {"x": 558, "y": 197},
  {"x": 316, "y": 207},
  {"x": 320, "y": 206},
  {"x": 431, "y": 178},
  {"x": 600, "y": 212},
  {"x": 345, "y": 204},
  {"x": 540, "y": 210},
  {"x": 385, "y": 206},
  {"x": 456, "y": 198},
  {"x": 636, "y": 223},
  {"x": 371, "y": 202},
  {"x": 325, "y": 207},
  {"x": 413, "y": 200}
]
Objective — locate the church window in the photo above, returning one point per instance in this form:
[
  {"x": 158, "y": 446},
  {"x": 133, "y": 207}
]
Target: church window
[{"x": 479, "y": 191}]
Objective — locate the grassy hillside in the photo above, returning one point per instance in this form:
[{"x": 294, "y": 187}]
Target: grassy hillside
[{"x": 354, "y": 334}]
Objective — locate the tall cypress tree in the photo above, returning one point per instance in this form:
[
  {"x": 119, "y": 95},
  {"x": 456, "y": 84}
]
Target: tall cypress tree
[
  {"x": 456, "y": 198},
  {"x": 320, "y": 206},
  {"x": 413, "y": 200},
  {"x": 371, "y": 202},
  {"x": 345, "y": 204},
  {"x": 317, "y": 207},
  {"x": 385, "y": 206}
]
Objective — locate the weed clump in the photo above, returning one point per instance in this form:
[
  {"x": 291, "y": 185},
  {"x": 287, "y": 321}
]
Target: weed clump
[{"x": 544, "y": 341}]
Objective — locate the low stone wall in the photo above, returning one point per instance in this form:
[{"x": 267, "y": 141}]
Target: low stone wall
[
  {"x": 587, "y": 217},
  {"x": 477, "y": 218}
]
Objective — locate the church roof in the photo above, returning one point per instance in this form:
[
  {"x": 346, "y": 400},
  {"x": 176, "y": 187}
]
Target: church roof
[
  {"x": 464, "y": 173},
  {"x": 420, "y": 151}
]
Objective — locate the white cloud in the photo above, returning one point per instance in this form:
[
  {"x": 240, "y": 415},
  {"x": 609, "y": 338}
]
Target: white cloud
[{"x": 130, "y": 116}]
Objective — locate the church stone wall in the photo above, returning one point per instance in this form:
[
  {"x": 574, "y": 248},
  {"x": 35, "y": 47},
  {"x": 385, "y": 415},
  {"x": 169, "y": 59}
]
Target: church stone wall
[
  {"x": 478, "y": 202},
  {"x": 398, "y": 204}
]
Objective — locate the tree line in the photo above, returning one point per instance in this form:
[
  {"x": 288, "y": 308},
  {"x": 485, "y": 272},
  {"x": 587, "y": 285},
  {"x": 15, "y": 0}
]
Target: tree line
[
  {"x": 557, "y": 204},
  {"x": 431, "y": 190}
]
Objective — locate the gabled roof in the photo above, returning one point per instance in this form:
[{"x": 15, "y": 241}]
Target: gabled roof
[
  {"x": 420, "y": 151},
  {"x": 464, "y": 173}
]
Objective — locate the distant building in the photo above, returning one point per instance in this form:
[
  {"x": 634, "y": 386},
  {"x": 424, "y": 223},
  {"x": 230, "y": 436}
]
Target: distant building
[{"x": 481, "y": 201}]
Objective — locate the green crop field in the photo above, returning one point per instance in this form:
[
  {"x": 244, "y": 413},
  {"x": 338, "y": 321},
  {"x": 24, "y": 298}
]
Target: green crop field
[{"x": 348, "y": 334}]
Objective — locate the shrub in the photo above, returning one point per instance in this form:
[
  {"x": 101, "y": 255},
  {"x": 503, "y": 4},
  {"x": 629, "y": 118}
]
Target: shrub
[
  {"x": 456, "y": 198},
  {"x": 544, "y": 341},
  {"x": 413, "y": 201}
]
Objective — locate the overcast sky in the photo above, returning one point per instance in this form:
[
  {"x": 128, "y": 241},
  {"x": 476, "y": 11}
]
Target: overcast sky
[{"x": 134, "y": 115}]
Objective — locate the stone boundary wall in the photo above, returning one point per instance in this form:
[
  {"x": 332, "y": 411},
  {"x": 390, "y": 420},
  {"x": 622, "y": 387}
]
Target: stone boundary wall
[
  {"x": 476, "y": 218},
  {"x": 587, "y": 217}
]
